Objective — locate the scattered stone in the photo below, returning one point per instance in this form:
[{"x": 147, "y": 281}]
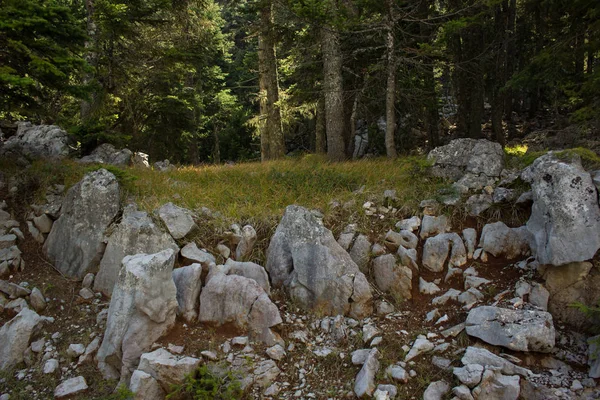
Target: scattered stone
[
  {"x": 365, "y": 380},
  {"x": 15, "y": 336},
  {"x": 539, "y": 296},
  {"x": 494, "y": 385},
  {"x": 86, "y": 293},
  {"x": 453, "y": 331},
  {"x": 145, "y": 387},
  {"x": 391, "y": 277},
  {"x": 88, "y": 281},
  {"x": 360, "y": 252},
  {"x": 178, "y": 220},
  {"x": 434, "y": 225},
  {"x": 519, "y": 330},
  {"x": 369, "y": 332},
  {"x": 51, "y": 366},
  {"x": 405, "y": 238},
  {"x": 71, "y": 387},
  {"x": 436, "y": 390},
  {"x": 411, "y": 224},
  {"x": 384, "y": 308},
  {"x": 76, "y": 242},
  {"x": 477, "y": 204},
  {"x": 428, "y": 287},
  {"x": 38, "y": 141},
  {"x": 437, "y": 248},
  {"x": 477, "y": 355},
  {"x": 421, "y": 345},
  {"x": 192, "y": 253},
  {"x": 37, "y": 300},
  {"x": 43, "y": 223},
  {"x": 75, "y": 350},
  {"x": 276, "y": 352},
  {"x": 246, "y": 244},
  {"x": 140, "y": 160},
  {"x": 469, "y": 375},
  {"x": 167, "y": 368},
  {"x": 475, "y": 282},
  {"x": 451, "y": 294},
  {"x": 397, "y": 373},
  {"x": 90, "y": 351},
  {"x": 223, "y": 250},
  {"x": 500, "y": 240},
  {"x": 7, "y": 241},
  {"x": 594, "y": 356},
  {"x": 462, "y": 393}
]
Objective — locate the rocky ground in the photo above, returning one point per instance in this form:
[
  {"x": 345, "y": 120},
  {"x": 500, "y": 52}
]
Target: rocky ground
[{"x": 97, "y": 295}]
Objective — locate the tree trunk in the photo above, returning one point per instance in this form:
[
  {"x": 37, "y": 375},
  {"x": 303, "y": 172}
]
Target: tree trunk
[
  {"x": 510, "y": 66},
  {"x": 498, "y": 75},
  {"x": 272, "y": 143},
  {"x": 333, "y": 93},
  {"x": 320, "y": 138},
  {"x": 390, "y": 98},
  {"x": 91, "y": 58},
  {"x": 216, "y": 148}
]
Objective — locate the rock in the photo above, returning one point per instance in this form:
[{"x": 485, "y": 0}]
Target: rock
[
  {"x": 37, "y": 141},
  {"x": 192, "y": 253},
  {"x": 224, "y": 251},
  {"x": 106, "y": 153},
  {"x": 10, "y": 254},
  {"x": 18, "y": 233},
  {"x": 568, "y": 284},
  {"x": 495, "y": 386},
  {"x": 50, "y": 366},
  {"x": 421, "y": 345},
  {"x": 86, "y": 293},
  {"x": 75, "y": 350},
  {"x": 384, "y": 308},
  {"x": 470, "y": 238},
  {"x": 90, "y": 351},
  {"x": 462, "y": 393},
  {"x": 88, "y": 280},
  {"x": 7, "y": 241},
  {"x": 369, "y": 331},
  {"x": 386, "y": 392},
  {"x": 164, "y": 166},
  {"x": 71, "y": 387},
  {"x": 406, "y": 239},
  {"x": 249, "y": 270},
  {"x": 434, "y": 225},
  {"x": 477, "y": 204},
  {"x": 178, "y": 220},
  {"x": 475, "y": 282},
  {"x": 539, "y": 296},
  {"x": 360, "y": 356},
  {"x": 427, "y": 287},
  {"x": 43, "y": 223},
  {"x": 518, "y": 330},
  {"x": 470, "y": 298},
  {"x": 142, "y": 309},
  {"x": 276, "y": 352},
  {"x": 397, "y": 373},
  {"x": 37, "y": 300},
  {"x": 408, "y": 257},
  {"x": 166, "y": 368},
  {"x": 451, "y": 294},
  {"x": 145, "y": 387},
  {"x": 594, "y": 356},
  {"x": 304, "y": 257},
  {"x": 391, "y": 277},
  {"x": 13, "y": 290},
  {"x": 565, "y": 205},
  {"x": 140, "y": 160},
  {"x": 236, "y": 300},
  {"x": 365, "y": 380},
  {"x": 35, "y": 233},
  {"x": 360, "y": 252},
  {"x": 265, "y": 373},
  {"x": 411, "y": 224},
  {"x": 436, "y": 249},
  {"x": 477, "y": 355},
  {"x": 75, "y": 244},
  {"x": 469, "y": 375},
  {"x": 440, "y": 362},
  {"x": 15, "y": 336},
  {"x": 436, "y": 390},
  {"x": 16, "y": 305},
  {"x": 246, "y": 245},
  {"x": 501, "y": 241},
  {"x": 135, "y": 234},
  {"x": 189, "y": 284},
  {"x": 525, "y": 198},
  {"x": 503, "y": 195}
]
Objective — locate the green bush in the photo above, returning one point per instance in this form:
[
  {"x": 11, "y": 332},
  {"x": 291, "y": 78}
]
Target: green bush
[{"x": 202, "y": 384}]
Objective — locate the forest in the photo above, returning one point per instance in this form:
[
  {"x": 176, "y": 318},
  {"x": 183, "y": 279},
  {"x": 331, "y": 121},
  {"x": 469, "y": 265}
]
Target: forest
[{"x": 209, "y": 81}]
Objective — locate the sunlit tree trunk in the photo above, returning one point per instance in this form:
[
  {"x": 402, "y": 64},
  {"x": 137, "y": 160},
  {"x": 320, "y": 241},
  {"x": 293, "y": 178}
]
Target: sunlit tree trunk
[{"x": 320, "y": 137}]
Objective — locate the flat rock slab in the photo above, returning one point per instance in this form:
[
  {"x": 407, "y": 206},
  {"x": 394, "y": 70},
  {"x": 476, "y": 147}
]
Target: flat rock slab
[
  {"x": 15, "y": 336},
  {"x": 519, "y": 330},
  {"x": 178, "y": 220},
  {"x": 70, "y": 387}
]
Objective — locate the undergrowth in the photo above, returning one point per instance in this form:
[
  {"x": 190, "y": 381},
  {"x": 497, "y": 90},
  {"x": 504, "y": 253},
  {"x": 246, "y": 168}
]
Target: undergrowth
[{"x": 202, "y": 384}]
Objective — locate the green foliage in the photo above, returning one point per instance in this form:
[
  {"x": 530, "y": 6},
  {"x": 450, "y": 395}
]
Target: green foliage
[
  {"x": 121, "y": 393},
  {"x": 592, "y": 313},
  {"x": 202, "y": 384}
]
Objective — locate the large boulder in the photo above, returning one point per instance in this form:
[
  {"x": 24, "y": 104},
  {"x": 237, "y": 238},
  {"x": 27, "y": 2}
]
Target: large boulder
[
  {"x": 474, "y": 163},
  {"x": 437, "y": 248},
  {"x": 499, "y": 240},
  {"x": 178, "y": 220},
  {"x": 76, "y": 242},
  {"x": 238, "y": 301},
  {"x": 15, "y": 336},
  {"x": 304, "y": 257},
  {"x": 106, "y": 153},
  {"x": 518, "y": 330},
  {"x": 135, "y": 234},
  {"x": 249, "y": 270},
  {"x": 188, "y": 282},
  {"x": 577, "y": 282},
  {"x": 565, "y": 217},
  {"x": 166, "y": 368},
  {"x": 37, "y": 141},
  {"x": 142, "y": 309}
]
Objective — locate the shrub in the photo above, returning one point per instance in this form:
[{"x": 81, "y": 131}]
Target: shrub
[{"x": 202, "y": 384}]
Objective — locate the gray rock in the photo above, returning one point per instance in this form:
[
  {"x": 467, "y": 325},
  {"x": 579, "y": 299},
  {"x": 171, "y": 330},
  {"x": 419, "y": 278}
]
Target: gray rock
[
  {"x": 539, "y": 296},
  {"x": 135, "y": 234},
  {"x": 397, "y": 373},
  {"x": 437, "y": 248},
  {"x": 408, "y": 257},
  {"x": 360, "y": 252},
  {"x": 13, "y": 290},
  {"x": 420, "y": 346},
  {"x": 249, "y": 270},
  {"x": 145, "y": 387},
  {"x": 75, "y": 350},
  {"x": 345, "y": 240},
  {"x": 43, "y": 223},
  {"x": 86, "y": 293},
  {"x": 35, "y": 233},
  {"x": 477, "y": 355},
  {"x": 451, "y": 294},
  {"x": 405, "y": 238},
  {"x": 503, "y": 195},
  {"x": 594, "y": 356},
  {"x": 480, "y": 157},
  {"x": 50, "y": 366},
  {"x": 246, "y": 244},
  {"x": 37, "y": 300},
  {"x": 106, "y": 153},
  {"x": 478, "y": 203},
  {"x": 276, "y": 352},
  {"x": 391, "y": 277},
  {"x": 501, "y": 241},
  {"x": 178, "y": 220},
  {"x": 37, "y": 141},
  {"x": 75, "y": 244},
  {"x": 469, "y": 375},
  {"x": 470, "y": 238},
  {"x": 304, "y": 257},
  {"x": 191, "y": 252},
  {"x": 462, "y": 393},
  {"x": 189, "y": 284},
  {"x": 90, "y": 351},
  {"x": 164, "y": 166},
  {"x": 436, "y": 390},
  {"x": 565, "y": 205},
  {"x": 10, "y": 254},
  {"x": 365, "y": 380},
  {"x": 519, "y": 330},
  {"x": 88, "y": 280},
  {"x": 495, "y": 386},
  {"x": 71, "y": 387},
  {"x": 360, "y": 356},
  {"x": 411, "y": 224},
  {"x": 386, "y": 392},
  {"x": 427, "y": 287},
  {"x": 265, "y": 373},
  {"x": 236, "y": 300},
  {"x": 15, "y": 336},
  {"x": 475, "y": 282},
  {"x": 166, "y": 368},
  {"x": 7, "y": 241},
  {"x": 140, "y": 160},
  {"x": 434, "y": 225},
  {"x": 143, "y": 308}
]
